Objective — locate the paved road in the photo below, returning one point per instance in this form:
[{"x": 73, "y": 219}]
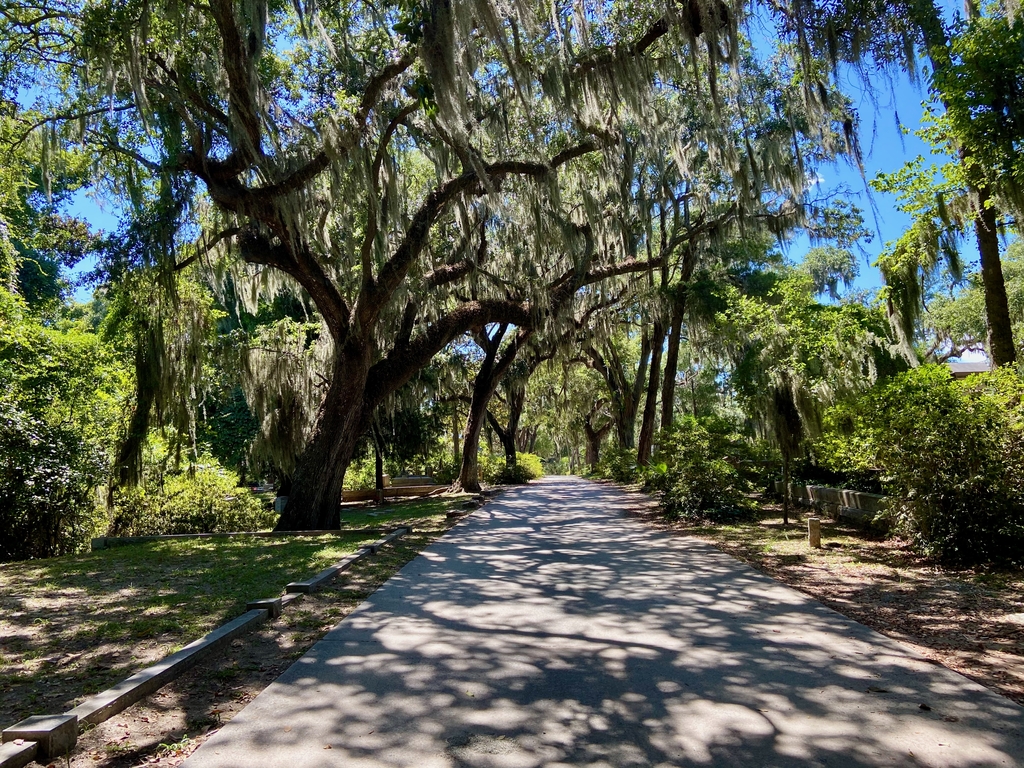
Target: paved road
[{"x": 549, "y": 630}]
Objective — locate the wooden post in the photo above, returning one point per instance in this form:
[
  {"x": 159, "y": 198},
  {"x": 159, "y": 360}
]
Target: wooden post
[{"x": 814, "y": 532}]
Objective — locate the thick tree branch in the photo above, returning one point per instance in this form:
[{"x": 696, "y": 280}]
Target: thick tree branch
[
  {"x": 221, "y": 236},
  {"x": 394, "y": 271},
  {"x": 242, "y": 80},
  {"x": 401, "y": 364}
]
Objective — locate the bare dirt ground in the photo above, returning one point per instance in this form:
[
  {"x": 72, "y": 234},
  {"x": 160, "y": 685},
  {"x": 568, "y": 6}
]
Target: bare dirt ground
[{"x": 971, "y": 621}]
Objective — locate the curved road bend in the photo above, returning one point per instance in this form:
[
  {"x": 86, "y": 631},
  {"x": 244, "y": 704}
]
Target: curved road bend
[{"x": 549, "y": 630}]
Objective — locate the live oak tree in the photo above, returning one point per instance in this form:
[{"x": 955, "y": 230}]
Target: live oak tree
[{"x": 355, "y": 152}]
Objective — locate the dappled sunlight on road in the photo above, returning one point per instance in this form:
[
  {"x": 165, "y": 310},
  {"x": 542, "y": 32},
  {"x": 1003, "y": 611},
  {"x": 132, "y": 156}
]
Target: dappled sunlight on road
[{"x": 549, "y": 630}]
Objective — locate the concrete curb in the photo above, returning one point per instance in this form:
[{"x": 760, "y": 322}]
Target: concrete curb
[
  {"x": 102, "y": 706},
  {"x": 329, "y": 574},
  {"x": 13, "y": 755}
]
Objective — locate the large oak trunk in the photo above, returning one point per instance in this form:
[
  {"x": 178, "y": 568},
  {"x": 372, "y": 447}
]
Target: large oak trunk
[
  {"x": 320, "y": 475},
  {"x": 469, "y": 475}
]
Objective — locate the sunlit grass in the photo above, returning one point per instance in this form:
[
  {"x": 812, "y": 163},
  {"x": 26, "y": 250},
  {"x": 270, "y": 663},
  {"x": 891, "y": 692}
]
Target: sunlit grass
[{"x": 71, "y": 626}]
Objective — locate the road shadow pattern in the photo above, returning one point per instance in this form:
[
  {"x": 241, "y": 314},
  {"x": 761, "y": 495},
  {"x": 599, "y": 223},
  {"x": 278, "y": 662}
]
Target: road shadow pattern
[{"x": 549, "y": 630}]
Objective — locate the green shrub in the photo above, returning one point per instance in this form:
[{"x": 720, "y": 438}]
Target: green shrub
[
  {"x": 47, "y": 479},
  {"x": 697, "y": 471},
  {"x": 445, "y": 469},
  {"x": 361, "y": 474},
  {"x": 618, "y": 464},
  {"x": 208, "y": 501},
  {"x": 951, "y": 455},
  {"x": 528, "y": 467}
]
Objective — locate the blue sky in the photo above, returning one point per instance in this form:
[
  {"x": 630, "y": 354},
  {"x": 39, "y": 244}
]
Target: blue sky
[{"x": 885, "y": 149}]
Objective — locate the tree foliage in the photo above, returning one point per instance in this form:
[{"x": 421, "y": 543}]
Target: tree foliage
[{"x": 949, "y": 452}]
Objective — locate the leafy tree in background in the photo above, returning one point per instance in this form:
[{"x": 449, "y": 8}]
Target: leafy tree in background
[
  {"x": 794, "y": 356},
  {"x": 60, "y": 408},
  {"x": 954, "y": 319},
  {"x": 977, "y": 65},
  {"x": 347, "y": 153}
]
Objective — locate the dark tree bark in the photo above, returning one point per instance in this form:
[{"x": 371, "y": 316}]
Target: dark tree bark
[
  {"x": 668, "y": 386},
  {"x": 342, "y": 419},
  {"x": 997, "y": 309},
  {"x": 594, "y": 436},
  {"x": 378, "y": 469},
  {"x": 506, "y": 438},
  {"x": 456, "y": 441},
  {"x": 645, "y": 444},
  {"x": 625, "y": 395},
  {"x": 491, "y": 371}
]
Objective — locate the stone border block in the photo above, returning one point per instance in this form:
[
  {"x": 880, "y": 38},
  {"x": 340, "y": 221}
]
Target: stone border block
[
  {"x": 329, "y": 574},
  {"x": 14, "y": 755},
  {"x": 55, "y": 735},
  {"x": 103, "y": 705},
  {"x": 270, "y": 604}
]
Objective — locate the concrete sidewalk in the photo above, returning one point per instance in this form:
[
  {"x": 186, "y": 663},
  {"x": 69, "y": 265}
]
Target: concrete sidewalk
[{"x": 549, "y": 630}]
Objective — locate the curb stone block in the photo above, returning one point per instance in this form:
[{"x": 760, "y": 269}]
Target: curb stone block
[
  {"x": 98, "y": 708},
  {"x": 271, "y": 604},
  {"x": 55, "y": 735},
  {"x": 15, "y": 754}
]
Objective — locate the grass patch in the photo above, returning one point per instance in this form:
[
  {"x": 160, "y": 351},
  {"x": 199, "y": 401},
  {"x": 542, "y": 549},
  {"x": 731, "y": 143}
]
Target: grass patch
[
  {"x": 86, "y": 621},
  {"x": 396, "y": 512},
  {"x": 75, "y": 625}
]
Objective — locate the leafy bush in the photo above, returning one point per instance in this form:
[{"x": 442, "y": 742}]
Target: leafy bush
[
  {"x": 951, "y": 455},
  {"x": 47, "y": 477},
  {"x": 445, "y": 469},
  {"x": 208, "y": 501},
  {"x": 361, "y": 474},
  {"x": 697, "y": 470},
  {"x": 528, "y": 467},
  {"x": 618, "y": 464}
]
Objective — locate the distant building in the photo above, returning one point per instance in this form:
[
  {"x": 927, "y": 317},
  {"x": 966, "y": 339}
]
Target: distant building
[{"x": 963, "y": 370}]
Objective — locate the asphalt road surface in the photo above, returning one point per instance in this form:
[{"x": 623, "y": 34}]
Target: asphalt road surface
[{"x": 548, "y": 629}]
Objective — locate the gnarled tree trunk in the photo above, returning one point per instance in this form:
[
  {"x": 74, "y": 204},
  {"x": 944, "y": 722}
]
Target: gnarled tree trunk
[
  {"x": 320, "y": 474},
  {"x": 491, "y": 371}
]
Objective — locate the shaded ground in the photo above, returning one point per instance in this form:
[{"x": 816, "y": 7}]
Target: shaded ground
[
  {"x": 971, "y": 621},
  {"x": 76, "y": 625},
  {"x": 548, "y": 630}
]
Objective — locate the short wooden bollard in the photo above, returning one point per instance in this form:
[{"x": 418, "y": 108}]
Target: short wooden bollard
[{"x": 814, "y": 532}]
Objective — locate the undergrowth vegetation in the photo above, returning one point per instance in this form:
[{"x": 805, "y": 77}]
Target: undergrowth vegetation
[
  {"x": 206, "y": 500},
  {"x": 703, "y": 469},
  {"x": 951, "y": 455},
  {"x": 494, "y": 469}
]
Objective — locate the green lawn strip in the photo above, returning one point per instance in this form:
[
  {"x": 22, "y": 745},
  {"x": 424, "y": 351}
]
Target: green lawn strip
[
  {"x": 395, "y": 513},
  {"x": 74, "y": 625}
]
